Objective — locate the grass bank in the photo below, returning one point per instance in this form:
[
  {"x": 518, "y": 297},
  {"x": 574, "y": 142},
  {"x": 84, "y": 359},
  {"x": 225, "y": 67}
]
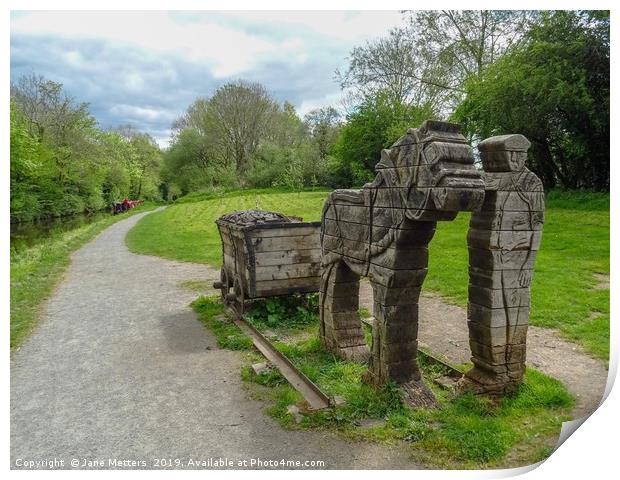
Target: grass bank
[
  {"x": 35, "y": 271},
  {"x": 464, "y": 432},
  {"x": 567, "y": 291}
]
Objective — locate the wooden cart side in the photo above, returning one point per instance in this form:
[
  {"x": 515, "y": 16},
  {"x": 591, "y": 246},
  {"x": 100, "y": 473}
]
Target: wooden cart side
[
  {"x": 286, "y": 258},
  {"x": 251, "y": 263},
  {"x": 237, "y": 258}
]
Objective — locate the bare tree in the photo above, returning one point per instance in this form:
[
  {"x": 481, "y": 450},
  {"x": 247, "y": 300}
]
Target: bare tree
[
  {"x": 392, "y": 64},
  {"x": 48, "y": 109},
  {"x": 466, "y": 41},
  {"x": 427, "y": 61}
]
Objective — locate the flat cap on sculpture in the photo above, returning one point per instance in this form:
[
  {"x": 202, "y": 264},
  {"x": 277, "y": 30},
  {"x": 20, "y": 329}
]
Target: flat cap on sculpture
[
  {"x": 504, "y": 153},
  {"x": 514, "y": 142}
]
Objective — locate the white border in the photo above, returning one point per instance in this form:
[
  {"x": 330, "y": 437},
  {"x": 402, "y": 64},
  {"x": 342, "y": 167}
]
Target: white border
[{"x": 590, "y": 453}]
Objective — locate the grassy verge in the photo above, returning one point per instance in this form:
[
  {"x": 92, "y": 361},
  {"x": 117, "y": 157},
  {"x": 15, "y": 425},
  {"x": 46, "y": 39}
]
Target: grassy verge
[
  {"x": 187, "y": 231},
  {"x": 36, "y": 271},
  {"x": 465, "y": 432},
  {"x": 574, "y": 250}
]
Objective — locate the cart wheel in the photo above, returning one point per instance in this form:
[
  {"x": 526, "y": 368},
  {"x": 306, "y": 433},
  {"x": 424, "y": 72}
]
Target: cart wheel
[
  {"x": 223, "y": 284},
  {"x": 238, "y": 303}
]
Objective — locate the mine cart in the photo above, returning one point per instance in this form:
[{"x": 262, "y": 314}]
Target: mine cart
[{"x": 266, "y": 254}]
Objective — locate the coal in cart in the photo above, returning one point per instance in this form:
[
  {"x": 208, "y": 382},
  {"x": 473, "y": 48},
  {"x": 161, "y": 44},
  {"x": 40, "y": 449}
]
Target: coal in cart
[{"x": 267, "y": 254}]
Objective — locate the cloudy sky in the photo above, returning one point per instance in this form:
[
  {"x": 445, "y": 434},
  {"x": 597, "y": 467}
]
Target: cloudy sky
[{"x": 145, "y": 68}]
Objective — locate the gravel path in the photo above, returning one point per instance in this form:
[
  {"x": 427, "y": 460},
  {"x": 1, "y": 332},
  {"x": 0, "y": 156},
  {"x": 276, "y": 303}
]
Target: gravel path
[{"x": 119, "y": 369}]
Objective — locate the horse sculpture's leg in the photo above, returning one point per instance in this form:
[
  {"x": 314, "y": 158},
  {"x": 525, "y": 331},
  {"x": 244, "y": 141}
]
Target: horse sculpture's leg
[
  {"x": 341, "y": 328},
  {"x": 395, "y": 334},
  {"x": 396, "y": 286}
]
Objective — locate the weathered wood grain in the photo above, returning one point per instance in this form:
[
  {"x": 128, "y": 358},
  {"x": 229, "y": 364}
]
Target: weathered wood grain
[
  {"x": 503, "y": 240},
  {"x": 292, "y": 283},
  {"x": 288, "y": 257},
  {"x": 285, "y": 231},
  {"x": 283, "y": 272},
  {"x": 295, "y": 242},
  {"x": 382, "y": 231}
]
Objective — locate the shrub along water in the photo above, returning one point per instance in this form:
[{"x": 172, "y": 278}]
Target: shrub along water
[{"x": 62, "y": 163}]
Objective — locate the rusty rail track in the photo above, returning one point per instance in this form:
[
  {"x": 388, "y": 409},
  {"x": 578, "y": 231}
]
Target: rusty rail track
[
  {"x": 317, "y": 400},
  {"x": 424, "y": 351}
]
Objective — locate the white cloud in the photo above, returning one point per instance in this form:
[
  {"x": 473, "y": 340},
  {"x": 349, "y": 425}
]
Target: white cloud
[
  {"x": 347, "y": 26},
  {"x": 134, "y": 81},
  {"x": 146, "y": 67},
  {"x": 142, "y": 113},
  {"x": 162, "y": 138},
  {"x": 227, "y": 50},
  {"x": 74, "y": 58},
  {"x": 223, "y": 40},
  {"x": 313, "y": 103}
]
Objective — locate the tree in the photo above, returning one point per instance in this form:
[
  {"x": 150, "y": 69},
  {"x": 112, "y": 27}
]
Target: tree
[
  {"x": 117, "y": 155},
  {"x": 25, "y": 158},
  {"x": 241, "y": 136},
  {"x": 427, "y": 61},
  {"x": 285, "y": 128},
  {"x": 146, "y": 164},
  {"x": 392, "y": 65},
  {"x": 375, "y": 125},
  {"x": 62, "y": 163},
  {"x": 233, "y": 121},
  {"x": 190, "y": 163},
  {"x": 323, "y": 124},
  {"x": 554, "y": 89},
  {"x": 464, "y": 42},
  {"x": 241, "y": 113},
  {"x": 49, "y": 110}
]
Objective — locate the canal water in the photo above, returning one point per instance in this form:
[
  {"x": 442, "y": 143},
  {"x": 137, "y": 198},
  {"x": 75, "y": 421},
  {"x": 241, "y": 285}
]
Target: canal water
[{"x": 28, "y": 234}]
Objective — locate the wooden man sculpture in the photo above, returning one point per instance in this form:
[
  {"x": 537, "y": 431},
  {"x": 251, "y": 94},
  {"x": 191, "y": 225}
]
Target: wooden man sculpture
[
  {"x": 382, "y": 232},
  {"x": 503, "y": 239}
]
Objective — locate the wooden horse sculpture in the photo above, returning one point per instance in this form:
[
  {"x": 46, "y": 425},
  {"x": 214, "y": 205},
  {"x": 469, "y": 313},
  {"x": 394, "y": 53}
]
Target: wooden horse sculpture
[{"x": 382, "y": 232}]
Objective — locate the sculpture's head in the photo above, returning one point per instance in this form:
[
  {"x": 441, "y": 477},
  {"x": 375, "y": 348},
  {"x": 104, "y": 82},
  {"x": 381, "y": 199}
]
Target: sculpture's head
[
  {"x": 504, "y": 153},
  {"x": 432, "y": 168}
]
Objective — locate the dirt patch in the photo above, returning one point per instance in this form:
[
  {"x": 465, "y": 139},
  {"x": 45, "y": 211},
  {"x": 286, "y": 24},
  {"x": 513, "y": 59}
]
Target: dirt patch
[
  {"x": 603, "y": 281},
  {"x": 594, "y": 316},
  {"x": 443, "y": 328}
]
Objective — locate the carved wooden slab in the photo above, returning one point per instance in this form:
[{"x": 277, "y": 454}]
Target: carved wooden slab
[
  {"x": 503, "y": 239},
  {"x": 382, "y": 232}
]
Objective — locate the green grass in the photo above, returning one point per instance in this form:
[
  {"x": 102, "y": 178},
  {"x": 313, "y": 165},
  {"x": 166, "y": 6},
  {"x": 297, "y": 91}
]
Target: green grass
[
  {"x": 214, "y": 315},
  {"x": 35, "y": 271},
  {"x": 187, "y": 231},
  {"x": 196, "y": 285},
  {"x": 575, "y": 246},
  {"x": 464, "y": 432}
]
